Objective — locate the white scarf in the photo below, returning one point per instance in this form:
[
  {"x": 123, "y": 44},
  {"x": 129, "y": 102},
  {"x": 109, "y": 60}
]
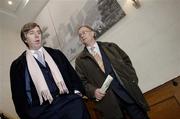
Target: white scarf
[{"x": 38, "y": 78}]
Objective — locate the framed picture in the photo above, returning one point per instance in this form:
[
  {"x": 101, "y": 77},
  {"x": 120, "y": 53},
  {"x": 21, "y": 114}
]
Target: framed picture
[{"x": 101, "y": 15}]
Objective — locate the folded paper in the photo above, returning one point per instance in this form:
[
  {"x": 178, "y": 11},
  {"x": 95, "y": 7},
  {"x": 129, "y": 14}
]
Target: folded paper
[{"x": 106, "y": 83}]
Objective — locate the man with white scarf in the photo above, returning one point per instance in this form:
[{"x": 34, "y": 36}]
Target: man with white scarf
[{"x": 44, "y": 85}]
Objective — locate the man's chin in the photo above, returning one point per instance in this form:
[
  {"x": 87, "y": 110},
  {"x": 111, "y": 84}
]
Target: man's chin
[{"x": 37, "y": 47}]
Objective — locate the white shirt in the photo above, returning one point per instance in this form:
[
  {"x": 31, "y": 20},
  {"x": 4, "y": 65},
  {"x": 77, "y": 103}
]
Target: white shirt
[
  {"x": 35, "y": 55},
  {"x": 96, "y": 49}
]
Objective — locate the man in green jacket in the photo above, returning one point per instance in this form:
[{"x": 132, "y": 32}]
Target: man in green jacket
[{"x": 99, "y": 60}]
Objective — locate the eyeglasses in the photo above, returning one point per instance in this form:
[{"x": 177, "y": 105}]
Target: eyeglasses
[{"x": 83, "y": 33}]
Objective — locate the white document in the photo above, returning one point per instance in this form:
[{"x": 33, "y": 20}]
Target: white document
[{"x": 106, "y": 83}]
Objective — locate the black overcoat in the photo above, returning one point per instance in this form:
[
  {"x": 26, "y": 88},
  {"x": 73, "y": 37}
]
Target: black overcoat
[{"x": 17, "y": 80}]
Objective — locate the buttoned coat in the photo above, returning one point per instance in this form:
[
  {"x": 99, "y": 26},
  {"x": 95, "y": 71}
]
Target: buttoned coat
[{"x": 93, "y": 77}]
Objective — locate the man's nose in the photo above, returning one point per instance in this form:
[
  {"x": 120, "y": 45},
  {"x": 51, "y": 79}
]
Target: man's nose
[
  {"x": 81, "y": 35},
  {"x": 36, "y": 35}
]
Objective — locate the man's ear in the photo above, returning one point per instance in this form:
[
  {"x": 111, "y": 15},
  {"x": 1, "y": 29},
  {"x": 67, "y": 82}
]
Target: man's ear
[
  {"x": 93, "y": 33},
  {"x": 25, "y": 40}
]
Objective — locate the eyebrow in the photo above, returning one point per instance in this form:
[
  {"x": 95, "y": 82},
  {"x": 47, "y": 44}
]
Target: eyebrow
[{"x": 35, "y": 30}]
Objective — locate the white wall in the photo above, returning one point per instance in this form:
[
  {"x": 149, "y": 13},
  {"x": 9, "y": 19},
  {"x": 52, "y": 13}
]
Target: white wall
[
  {"x": 11, "y": 46},
  {"x": 150, "y": 36},
  {"x": 0, "y": 63}
]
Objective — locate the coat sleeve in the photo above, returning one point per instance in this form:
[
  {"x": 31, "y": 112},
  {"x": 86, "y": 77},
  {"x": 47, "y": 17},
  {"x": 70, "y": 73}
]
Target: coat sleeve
[
  {"x": 17, "y": 92},
  {"x": 89, "y": 88},
  {"x": 74, "y": 79},
  {"x": 126, "y": 60}
]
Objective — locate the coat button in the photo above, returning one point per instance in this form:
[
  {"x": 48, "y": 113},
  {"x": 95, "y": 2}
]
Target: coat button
[{"x": 134, "y": 81}]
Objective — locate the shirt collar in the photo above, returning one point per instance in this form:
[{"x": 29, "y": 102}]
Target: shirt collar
[
  {"x": 35, "y": 55},
  {"x": 40, "y": 49},
  {"x": 96, "y": 48},
  {"x": 95, "y": 45}
]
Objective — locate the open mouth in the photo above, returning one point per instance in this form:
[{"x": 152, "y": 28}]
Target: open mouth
[
  {"x": 37, "y": 41},
  {"x": 84, "y": 39}
]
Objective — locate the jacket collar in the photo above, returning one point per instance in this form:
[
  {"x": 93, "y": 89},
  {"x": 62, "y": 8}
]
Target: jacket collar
[{"x": 85, "y": 53}]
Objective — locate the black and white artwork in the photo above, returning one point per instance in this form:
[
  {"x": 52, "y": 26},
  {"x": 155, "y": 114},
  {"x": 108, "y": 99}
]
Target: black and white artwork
[{"x": 101, "y": 15}]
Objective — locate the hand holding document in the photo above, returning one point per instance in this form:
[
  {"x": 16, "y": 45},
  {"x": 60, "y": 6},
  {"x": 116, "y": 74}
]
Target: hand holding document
[{"x": 106, "y": 83}]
